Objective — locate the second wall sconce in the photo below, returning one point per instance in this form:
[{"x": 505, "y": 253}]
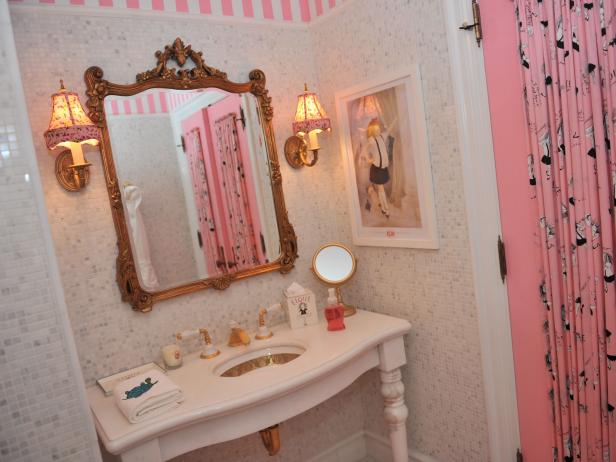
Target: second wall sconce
[
  {"x": 310, "y": 119},
  {"x": 70, "y": 128}
]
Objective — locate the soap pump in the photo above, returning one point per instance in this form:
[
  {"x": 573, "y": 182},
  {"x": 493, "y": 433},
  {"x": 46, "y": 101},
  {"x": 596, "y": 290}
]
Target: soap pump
[{"x": 334, "y": 311}]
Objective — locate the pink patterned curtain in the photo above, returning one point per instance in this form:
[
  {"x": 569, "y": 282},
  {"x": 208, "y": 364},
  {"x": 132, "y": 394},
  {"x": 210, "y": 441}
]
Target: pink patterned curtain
[
  {"x": 203, "y": 200},
  {"x": 568, "y": 58},
  {"x": 235, "y": 193}
]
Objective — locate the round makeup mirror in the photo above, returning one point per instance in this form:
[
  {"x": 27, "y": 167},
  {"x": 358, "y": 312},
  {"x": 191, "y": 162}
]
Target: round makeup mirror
[{"x": 335, "y": 264}]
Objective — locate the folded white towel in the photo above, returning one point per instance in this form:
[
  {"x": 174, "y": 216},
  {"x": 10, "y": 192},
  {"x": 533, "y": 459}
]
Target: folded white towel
[{"x": 147, "y": 395}]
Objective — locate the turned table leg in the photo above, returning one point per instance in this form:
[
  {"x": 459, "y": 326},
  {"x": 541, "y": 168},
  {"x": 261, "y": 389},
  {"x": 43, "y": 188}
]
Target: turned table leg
[{"x": 396, "y": 413}]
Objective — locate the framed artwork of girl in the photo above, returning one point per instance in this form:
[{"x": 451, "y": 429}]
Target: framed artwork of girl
[{"x": 383, "y": 136}]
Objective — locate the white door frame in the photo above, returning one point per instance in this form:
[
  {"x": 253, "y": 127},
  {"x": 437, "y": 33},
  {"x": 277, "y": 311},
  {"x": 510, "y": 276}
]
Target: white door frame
[{"x": 482, "y": 208}]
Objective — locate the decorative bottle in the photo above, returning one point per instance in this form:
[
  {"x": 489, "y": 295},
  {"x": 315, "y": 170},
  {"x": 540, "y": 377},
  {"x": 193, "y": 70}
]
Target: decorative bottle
[{"x": 334, "y": 311}]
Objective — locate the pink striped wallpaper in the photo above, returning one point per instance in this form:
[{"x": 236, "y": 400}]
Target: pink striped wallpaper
[
  {"x": 301, "y": 11},
  {"x": 151, "y": 102}
]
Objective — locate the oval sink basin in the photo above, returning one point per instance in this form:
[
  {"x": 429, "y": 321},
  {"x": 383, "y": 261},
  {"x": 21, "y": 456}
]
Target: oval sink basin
[{"x": 250, "y": 361}]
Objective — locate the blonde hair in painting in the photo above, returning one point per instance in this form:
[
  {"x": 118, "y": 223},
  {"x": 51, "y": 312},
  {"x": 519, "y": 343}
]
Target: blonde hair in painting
[{"x": 374, "y": 128}]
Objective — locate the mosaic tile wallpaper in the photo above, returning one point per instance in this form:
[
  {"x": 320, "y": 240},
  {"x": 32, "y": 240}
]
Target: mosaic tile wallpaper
[
  {"x": 108, "y": 334},
  {"x": 142, "y": 145},
  {"x": 433, "y": 289},
  {"x": 41, "y": 415}
]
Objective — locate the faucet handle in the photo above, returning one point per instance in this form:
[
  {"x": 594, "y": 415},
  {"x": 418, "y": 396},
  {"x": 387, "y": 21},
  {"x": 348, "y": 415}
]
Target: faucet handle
[
  {"x": 209, "y": 351},
  {"x": 263, "y": 331},
  {"x": 186, "y": 334},
  {"x": 238, "y": 335}
]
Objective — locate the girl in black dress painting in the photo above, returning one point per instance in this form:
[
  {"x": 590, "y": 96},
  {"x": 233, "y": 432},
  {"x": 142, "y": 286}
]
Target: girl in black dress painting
[{"x": 376, "y": 153}]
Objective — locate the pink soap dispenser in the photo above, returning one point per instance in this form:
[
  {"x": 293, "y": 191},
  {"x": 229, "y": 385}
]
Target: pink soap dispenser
[{"x": 334, "y": 312}]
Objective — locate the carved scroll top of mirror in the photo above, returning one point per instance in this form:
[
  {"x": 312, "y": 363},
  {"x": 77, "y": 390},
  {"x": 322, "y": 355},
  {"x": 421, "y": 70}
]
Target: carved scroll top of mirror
[
  {"x": 162, "y": 76},
  {"x": 335, "y": 264},
  {"x": 180, "y": 53},
  {"x": 193, "y": 192}
]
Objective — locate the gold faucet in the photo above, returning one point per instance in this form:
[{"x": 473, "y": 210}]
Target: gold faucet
[
  {"x": 209, "y": 351},
  {"x": 263, "y": 331},
  {"x": 238, "y": 336}
]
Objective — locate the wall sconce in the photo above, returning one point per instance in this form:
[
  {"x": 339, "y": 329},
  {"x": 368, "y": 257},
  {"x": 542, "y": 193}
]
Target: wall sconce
[
  {"x": 70, "y": 127},
  {"x": 310, "y": 119}
]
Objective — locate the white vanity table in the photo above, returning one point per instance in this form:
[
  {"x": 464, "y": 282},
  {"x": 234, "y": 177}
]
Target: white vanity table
[{"x": 218, "y": 409}]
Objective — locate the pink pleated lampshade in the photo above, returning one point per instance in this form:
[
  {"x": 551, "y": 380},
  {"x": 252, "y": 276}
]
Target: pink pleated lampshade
[
  {"x": 369, "y": 107},
  {"x": 69, "y": 122},
  {"x": 310, "y": 115}
]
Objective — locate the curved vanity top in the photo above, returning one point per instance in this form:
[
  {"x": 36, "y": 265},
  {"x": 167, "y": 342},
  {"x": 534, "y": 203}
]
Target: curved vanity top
[{"x": 208, "y": 395}]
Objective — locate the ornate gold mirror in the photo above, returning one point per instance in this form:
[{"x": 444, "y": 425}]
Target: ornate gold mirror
[
  {"x": 334, "y": 265},
  {"x": 193, "y": 178}
]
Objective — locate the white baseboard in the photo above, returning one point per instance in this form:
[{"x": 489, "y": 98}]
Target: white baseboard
[
  {"x": 379, "y": 449},
  {"x": 350, "y": 449},
  {"x": 365, "y": 444}
]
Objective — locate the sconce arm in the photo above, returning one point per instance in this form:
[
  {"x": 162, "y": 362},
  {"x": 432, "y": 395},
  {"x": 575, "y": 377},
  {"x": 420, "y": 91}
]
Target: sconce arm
[{"x": 304, "y": 157}]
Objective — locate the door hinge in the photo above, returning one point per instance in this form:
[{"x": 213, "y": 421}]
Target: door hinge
[
  {"x": 183, "y": 141},
  {"x": 476, "y": 26},
  {"x": 518, "y": 456},
  {"x": 242, "y": 118},
  {"x": 502, "y": 259}
]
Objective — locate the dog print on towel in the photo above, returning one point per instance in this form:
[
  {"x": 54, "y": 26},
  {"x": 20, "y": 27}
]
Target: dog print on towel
[{"x": 139, "y": 390}]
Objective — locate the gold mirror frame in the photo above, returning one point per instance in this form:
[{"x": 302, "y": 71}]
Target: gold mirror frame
[
  {"x": 323, "y": 278},
  {"x": 200, "y": 76}
]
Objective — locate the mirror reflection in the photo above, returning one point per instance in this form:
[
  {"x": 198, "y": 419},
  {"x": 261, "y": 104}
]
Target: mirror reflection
[
  {"x": 194, "y": 174},
  {"x": 334, "y": 264}
]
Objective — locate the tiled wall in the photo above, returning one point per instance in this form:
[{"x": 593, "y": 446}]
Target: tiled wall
[
  {"x": 432, "y": 289},
  {"x": 43, "y": 414},
  {"x": 146, "y": 157},
  {"x": 108, "y": 334}
]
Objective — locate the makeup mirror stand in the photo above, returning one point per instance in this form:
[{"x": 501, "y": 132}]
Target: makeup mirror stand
[
  {"x": 334, "y": 265},
  {"x": 349, "y": 310}
]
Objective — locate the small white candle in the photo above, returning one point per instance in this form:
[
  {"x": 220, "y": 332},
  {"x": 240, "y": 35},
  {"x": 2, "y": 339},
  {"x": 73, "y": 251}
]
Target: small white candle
[
  {"x": 313, "y": 140},
  {"x": 77, "y": 152},
  {"x": 172, "y": 355}
]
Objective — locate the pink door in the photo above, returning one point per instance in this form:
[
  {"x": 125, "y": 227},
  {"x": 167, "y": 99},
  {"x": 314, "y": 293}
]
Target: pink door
[
  {"x": 230, "y": 155},
  {"x": 519, "y": 227},
  {"x": 203, "y": 185},
  {"x": 225, "y": 191}
]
